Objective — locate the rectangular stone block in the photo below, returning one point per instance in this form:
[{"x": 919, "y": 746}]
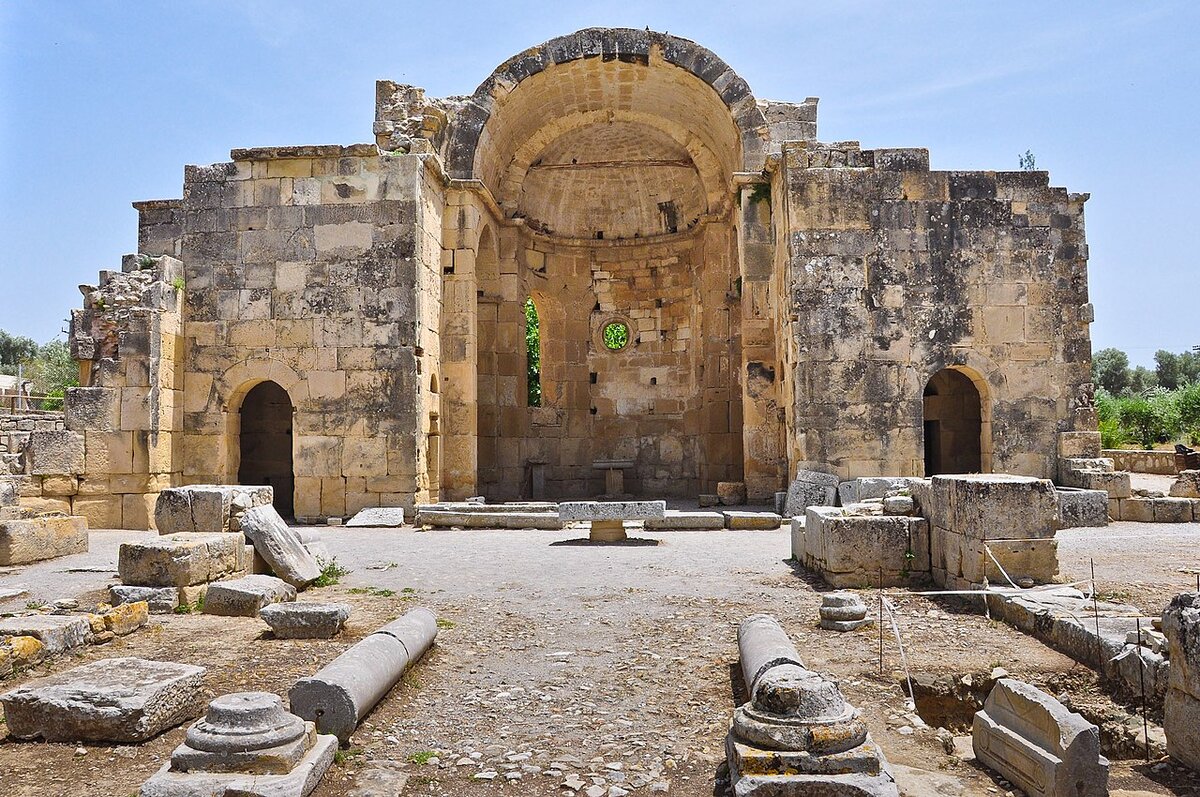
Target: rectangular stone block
[
  {"x": 1181, "y": 625},
  {"x": 207, "y": 508},
  {"x": 1181, "y": 723},
  {"x": 751, "y": 521},
  {"x": 58, "y": 633},
  {"x": 246, "y": 596},
  {"x": 47, "y": 537},
  {"x": 1035, "y": 742},
  {"x": 851, "y": 550},
  {"x": 122, "y": 700},
  {"x": 1172, "y": 510},
  {"x": 92, "y": 408},
  {"x": 181, "y": 560},
  {"x": 1139, "y": 510},
  {"x": 1084, "y": 445},
  {"x": 159, "y": 600},
  {"x": 55, "y": 452},
  {"x": 1021, "y": 559},
  {"x": 675, "y": 519},
  {"x": 1082, "y": 508},
  {"x": 996, "y": 506}
]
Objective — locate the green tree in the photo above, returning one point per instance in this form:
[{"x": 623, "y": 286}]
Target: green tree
[
  {"x": 1189, "y": 368},
  {"x": 1141, "y": 379},
  {"x": 1187, "y": 401},
  {"x": 14, "y": 350},
  {"x": 1166, "y": 369},
  {"x": 1028, "y": 161},
  {"x": 1110, "y": 370},
  {"x": 52, "y": 371}
]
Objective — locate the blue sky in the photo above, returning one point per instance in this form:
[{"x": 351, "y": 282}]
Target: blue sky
[{"x": 103, "y": 102}]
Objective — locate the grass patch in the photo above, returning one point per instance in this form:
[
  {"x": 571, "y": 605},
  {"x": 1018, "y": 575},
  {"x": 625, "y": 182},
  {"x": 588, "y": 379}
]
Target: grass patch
[
  {"x": 442, "y": 622},
  {"x": 341, "y": 756},
  {"x": 421, "y": 756},
  {"x": 374, "y": 592},
  {"x": 331, "y": 573},
  {"x": 35, "y": 605},
  {"x": 409, "y": 591}
]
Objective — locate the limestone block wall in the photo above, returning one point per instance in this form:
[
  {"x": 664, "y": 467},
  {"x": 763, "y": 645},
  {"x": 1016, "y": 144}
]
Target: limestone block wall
[
  {"x": 318, "y": 268},
  {"x": 116, "y": 449},
  {"x": 896, "y": 272}
]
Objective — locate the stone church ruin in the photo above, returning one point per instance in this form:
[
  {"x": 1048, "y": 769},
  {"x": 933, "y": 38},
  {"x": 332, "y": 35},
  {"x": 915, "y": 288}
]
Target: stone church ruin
[{"x": 721, "y": 297}]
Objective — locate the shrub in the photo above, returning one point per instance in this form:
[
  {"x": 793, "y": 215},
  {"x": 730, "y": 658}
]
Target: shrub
[{"x": 1187, "y": 402}]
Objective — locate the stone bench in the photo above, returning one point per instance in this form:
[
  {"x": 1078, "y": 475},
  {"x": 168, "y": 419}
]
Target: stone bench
[
  {"x": 472, "y": 519},
  {"x": 608, "y": 517}
]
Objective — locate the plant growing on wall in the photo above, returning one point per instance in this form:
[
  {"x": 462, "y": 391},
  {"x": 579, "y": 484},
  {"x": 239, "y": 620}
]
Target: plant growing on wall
[{"x": 533, "y": 354}]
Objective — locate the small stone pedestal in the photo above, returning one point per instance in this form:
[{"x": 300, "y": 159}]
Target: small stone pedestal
[
  {"x": 614, "y": 474},
  {"x": 247, "y": 744},
  {"x": 608, "y": 531},
  {"x": 843, "y": 611}
]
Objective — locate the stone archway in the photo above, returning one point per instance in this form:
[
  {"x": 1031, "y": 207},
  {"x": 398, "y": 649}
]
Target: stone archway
[
  {"x": 265, "y": 443},
  {"x": 953, "y": 414}
]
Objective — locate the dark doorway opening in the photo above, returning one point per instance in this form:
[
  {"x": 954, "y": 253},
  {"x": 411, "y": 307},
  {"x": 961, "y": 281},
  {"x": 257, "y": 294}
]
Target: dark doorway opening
[
  {"x": 953, "y": 424},
  {"x": 266, "y": 443}
]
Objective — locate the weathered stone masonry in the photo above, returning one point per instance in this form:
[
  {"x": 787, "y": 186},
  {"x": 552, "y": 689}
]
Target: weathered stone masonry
[{"x": 788, "y": 302}]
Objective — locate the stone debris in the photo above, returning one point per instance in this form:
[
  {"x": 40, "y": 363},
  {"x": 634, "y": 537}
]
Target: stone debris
[
  {"x": 843, "y": 611},
  {"x": 160, "y": 600},
  {"x": 124, "y": 700},
  {"x": 280, "y": 547},
  {"x": 383, "y": 517},
  {"x": 1181, "y": 708},
  {"x": 33, "y": 539},
  {"x": 56, "y": 633},
  {"x": 207, "y": 508},
  {"x": 246, "y": 596},
  {"x": 181, "y": 560},
  {"x": 1186, "y": 485},
  {"x": 731, "y": 493},
  {"x": 1037, "y": 743},
  {"x": 810, "y": 488},
  {"x": 797, "y": 735},
  {"x": 248, "y": 745},
  {"x": 305, "y": 620},
  {"x": 346, "y": 689}
]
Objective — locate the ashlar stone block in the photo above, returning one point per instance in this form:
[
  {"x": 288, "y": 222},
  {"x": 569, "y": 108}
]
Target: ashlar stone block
[
  {"x": 47, "y": 537},
  {"x": 181, "y": 560},
  {"x": 123, "y": 700},
  {"x": 246, "y": 596},
  {"x": 56, "y": 452},
  {"x": 1035, "y": 742}
]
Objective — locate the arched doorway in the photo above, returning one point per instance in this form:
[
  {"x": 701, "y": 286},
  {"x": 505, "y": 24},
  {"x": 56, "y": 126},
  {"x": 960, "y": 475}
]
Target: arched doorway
[
  {"x": 953, "y": 415},
  {"x": 265, "y": 443}
]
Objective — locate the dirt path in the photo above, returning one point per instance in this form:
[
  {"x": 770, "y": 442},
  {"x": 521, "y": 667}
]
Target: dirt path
[{"x": 615, "y": 665}]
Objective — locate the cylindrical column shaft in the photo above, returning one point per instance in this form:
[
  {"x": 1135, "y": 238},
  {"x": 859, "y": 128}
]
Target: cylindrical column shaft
[
  {"x": 763, "y": 644},
  {"x": 346, "y": 689}
]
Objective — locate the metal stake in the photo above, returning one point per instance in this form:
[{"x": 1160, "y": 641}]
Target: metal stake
[
  {"x": 1142, "y": 681},
  {"x": 1096, "y": 615},
  {"x": 881, "y": 621}
]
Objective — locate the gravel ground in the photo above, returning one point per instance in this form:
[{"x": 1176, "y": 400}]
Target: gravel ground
[{"x": 611, "y": 669}]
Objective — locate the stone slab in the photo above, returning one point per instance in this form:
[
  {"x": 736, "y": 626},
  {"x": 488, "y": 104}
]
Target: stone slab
[
  {"x": 679, "y": 520},
  {"x": 570, "y": 511},
  {"x": 280, "y": 546},
  {"x": 999, "y": 506},
  {"x": 305, "y": 620},
  {"x": 122, "y": 700},
  {"x": 810, "y": 488},
  {"x": 181, "y": 560},
  {"x": 39, "y": 538},
  {"x": 444, "y": 519},
  {"x": 57, "y": 632},
  {"x": 246, "y": 596},
  {"x": 1038, "y": 744},
  {"x": 751, "y": 521},
  {"x": 378, "y": 517}
]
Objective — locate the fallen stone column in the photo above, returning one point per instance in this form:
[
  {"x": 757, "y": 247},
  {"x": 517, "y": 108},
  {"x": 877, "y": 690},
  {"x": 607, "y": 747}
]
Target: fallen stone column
[
  {"x": 1038, "y": 744},
  {"x": 346, "y": 689},
  {"x": 797, "y": 735}
]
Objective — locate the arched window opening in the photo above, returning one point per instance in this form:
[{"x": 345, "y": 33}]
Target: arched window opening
[{"x": 533, "y": 353}]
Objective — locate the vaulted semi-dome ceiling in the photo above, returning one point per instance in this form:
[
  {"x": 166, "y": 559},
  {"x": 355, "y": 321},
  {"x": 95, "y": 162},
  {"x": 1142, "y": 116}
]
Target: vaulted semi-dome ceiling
[{"x": 622, "y": 133}]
